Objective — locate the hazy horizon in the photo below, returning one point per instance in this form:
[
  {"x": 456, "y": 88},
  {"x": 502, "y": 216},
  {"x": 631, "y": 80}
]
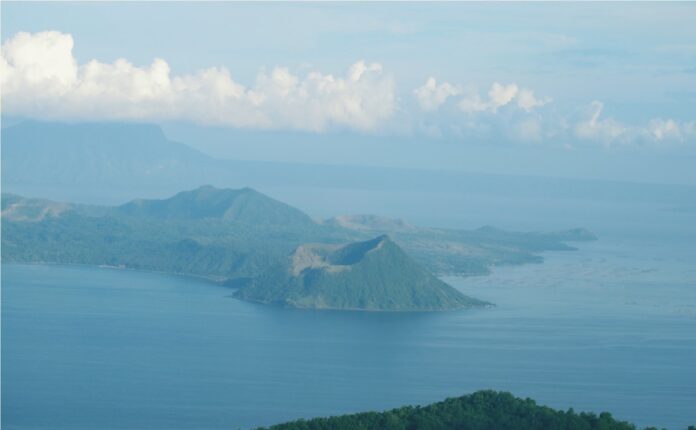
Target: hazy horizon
[{"x": 578, "y": 90}]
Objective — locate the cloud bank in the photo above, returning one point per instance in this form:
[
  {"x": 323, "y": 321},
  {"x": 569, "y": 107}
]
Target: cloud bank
[
  {"x": 609, "y": 131},
  {"x": 432, "y": 95},
  {"x": 511, "y": 113},
  {"x": 41, "y": 78}
]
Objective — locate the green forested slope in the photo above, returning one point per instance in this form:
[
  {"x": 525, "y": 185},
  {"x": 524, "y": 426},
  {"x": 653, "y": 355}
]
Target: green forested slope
[{"x": 483, "y": 410}]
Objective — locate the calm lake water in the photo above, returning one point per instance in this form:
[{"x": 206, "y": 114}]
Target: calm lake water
[
  {"x": 609, "y": 327},
  {"x": 101, "y": 348}
]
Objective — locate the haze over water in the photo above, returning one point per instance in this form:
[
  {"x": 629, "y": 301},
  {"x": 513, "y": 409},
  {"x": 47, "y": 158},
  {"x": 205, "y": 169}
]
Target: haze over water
[{"x": 611, "y": 326}]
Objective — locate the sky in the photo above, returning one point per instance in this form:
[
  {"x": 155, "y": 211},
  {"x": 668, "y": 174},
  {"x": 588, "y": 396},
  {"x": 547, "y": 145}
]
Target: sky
[{"x": 599, "y": 90}]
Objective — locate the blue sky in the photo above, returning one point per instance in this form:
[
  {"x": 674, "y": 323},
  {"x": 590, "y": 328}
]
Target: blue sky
[{"x": 457, "y": 79}]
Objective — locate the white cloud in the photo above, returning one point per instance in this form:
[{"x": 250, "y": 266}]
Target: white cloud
[
  {"x": 525, "y": 125},
  {"x": 41, "y": 78},
  {"x": 43, "y": 61},
  {"x": 656, "y": 131},
  {"x": 527, "y": 101},
  {"x": 502, "y": 95},
  {"x": 431, "y": 95}
]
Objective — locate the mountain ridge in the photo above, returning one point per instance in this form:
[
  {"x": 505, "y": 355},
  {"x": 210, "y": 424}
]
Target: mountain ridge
[{"x": 241, "y": 205}]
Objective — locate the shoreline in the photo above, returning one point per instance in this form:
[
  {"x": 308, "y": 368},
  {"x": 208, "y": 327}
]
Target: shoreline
[{"x": 209, "y": 279}]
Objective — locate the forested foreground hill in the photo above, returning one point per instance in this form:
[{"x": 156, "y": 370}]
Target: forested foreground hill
[{"x": 483, "y": 410}]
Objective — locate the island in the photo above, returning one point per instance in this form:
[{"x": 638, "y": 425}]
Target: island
[
  {"x": 269, "y": 251},
  {"x": 373, "y": 275}
]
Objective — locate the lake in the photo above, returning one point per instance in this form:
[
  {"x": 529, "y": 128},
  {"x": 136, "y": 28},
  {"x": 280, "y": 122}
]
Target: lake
[
  {"x": 611, "y": 326},
  {"x": 105, "y": 348}
]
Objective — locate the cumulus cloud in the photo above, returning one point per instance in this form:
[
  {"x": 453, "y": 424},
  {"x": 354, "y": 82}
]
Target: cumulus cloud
[
  {"x": 610, "y": 131},
  {"x": 431, "y": 95},
  {"x": 527, "y": 101},
  {"x": 40, "y": 77},
  {"x": 502, "y": 95}
]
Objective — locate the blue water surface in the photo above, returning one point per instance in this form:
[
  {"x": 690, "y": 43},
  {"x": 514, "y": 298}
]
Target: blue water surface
[{"x": 611, "y": 326}]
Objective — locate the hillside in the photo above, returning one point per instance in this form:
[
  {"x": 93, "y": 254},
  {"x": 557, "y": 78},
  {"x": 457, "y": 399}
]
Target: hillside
[
  {"x": 369, "y": 275},
  {"x": 17, "y": 208},
  {"x": 483, "y": 410},
  {"x": 209, "y": 232},
  {"x": 245, "y": 205},
  {"x": 227, "y": 233}
]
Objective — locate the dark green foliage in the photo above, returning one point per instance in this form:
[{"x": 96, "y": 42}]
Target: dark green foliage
[{"x": 483, "y": 410}]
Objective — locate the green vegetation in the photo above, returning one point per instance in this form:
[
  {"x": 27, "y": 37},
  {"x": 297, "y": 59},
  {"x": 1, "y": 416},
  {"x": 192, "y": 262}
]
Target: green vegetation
[
  {"x": 175, "y": 239},
  {"x": 483, "y": 410},
  {"x": 244, "y": 238},
  {"x": 370, "y": 275}
]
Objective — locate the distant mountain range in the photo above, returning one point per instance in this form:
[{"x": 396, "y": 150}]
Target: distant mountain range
[
  {"x": 273, "y": 252},
  {"x": 107, "y": 163},
  {"x": 92, "y": 154}
]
